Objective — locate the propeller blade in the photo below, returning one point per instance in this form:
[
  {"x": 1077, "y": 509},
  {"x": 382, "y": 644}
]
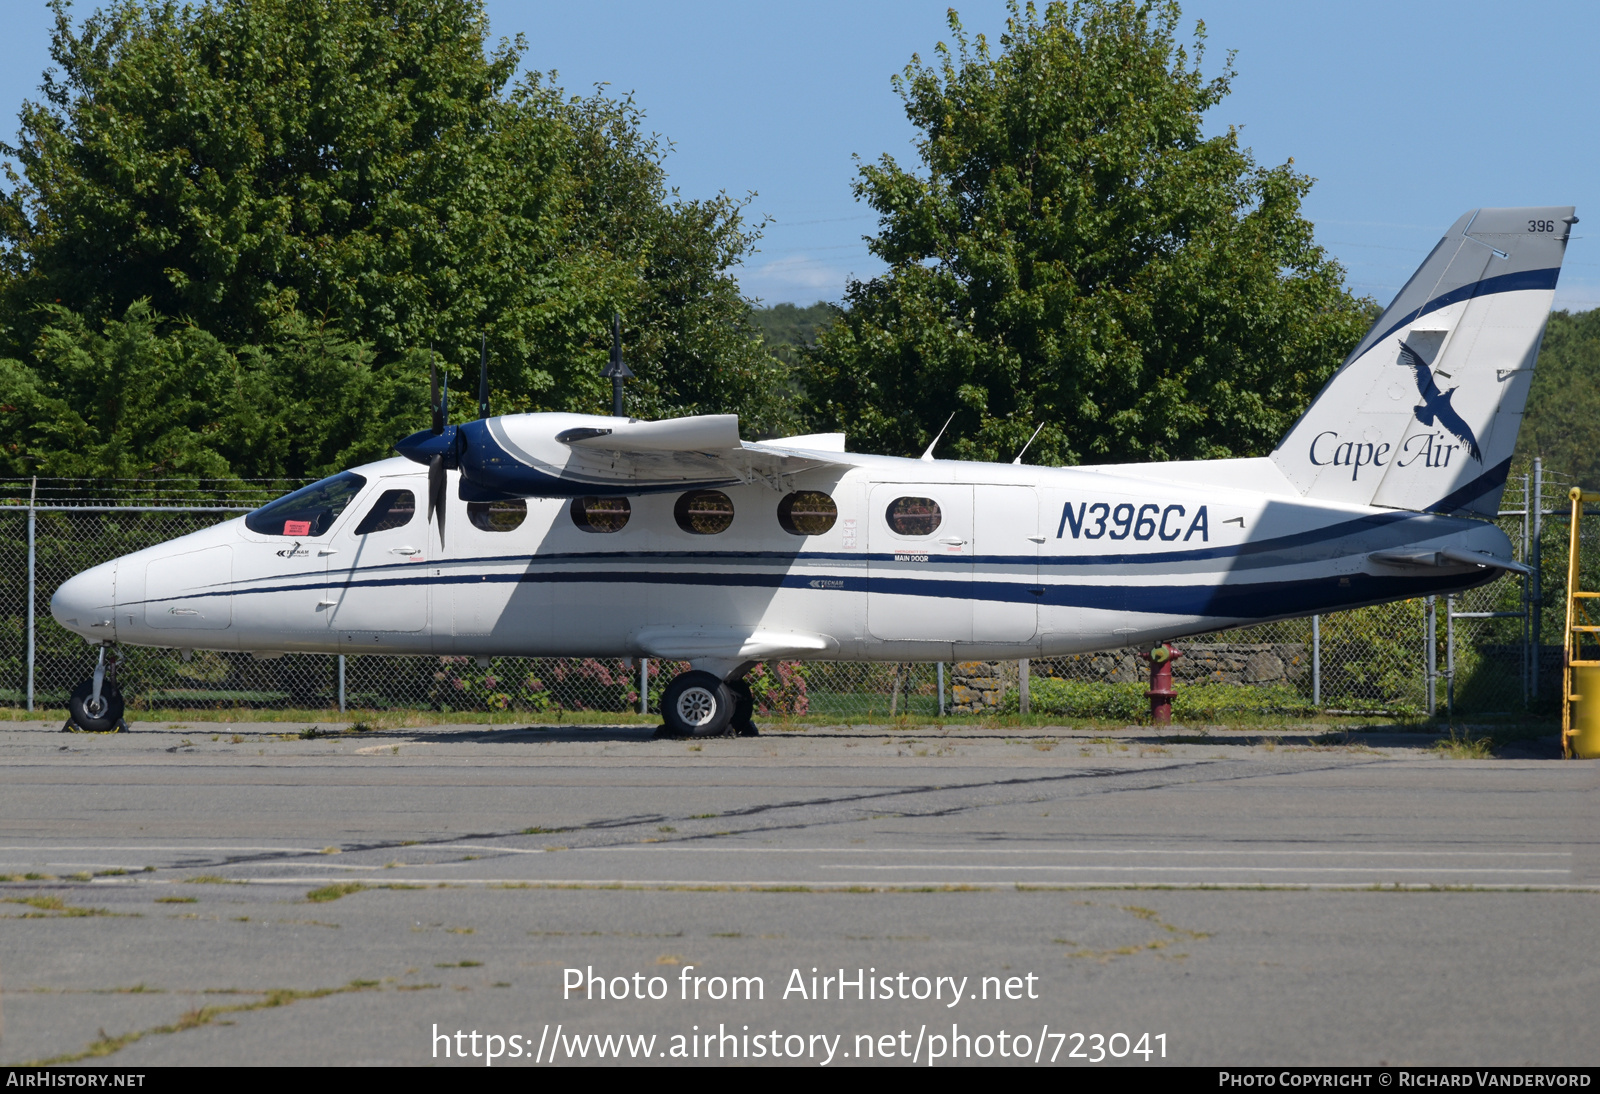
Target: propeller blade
[
  {"x": 437, "y": 481},
  {"x": 483, "y": 377},
  {"x": 434, "y": 403}
]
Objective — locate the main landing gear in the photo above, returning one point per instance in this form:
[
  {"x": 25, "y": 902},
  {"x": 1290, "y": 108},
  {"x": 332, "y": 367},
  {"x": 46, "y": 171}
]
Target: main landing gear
[
  {"x": 95, "y": 705},
  {"x": 698, "y": 704}
]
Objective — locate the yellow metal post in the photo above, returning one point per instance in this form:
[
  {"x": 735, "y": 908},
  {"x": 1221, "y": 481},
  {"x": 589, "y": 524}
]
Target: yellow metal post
[{"x": 1580, "y": 716}]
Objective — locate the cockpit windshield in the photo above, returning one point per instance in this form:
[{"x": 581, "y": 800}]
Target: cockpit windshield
[{"x": 309, "y": 511}]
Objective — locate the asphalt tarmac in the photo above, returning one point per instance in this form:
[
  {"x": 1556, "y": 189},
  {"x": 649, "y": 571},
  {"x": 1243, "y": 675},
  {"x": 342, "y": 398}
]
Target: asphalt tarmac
[{"x": 202, "y": 893}]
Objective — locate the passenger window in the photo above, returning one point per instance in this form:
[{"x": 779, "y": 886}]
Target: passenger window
[
  {"x": 704, "y": 512},
  {"x": 497, "y": 516},
  {"x": 600, "y": 514},
  {"x": 394, "y": 510},
  {"x": 913, "y": 516},
  {"x": 807, "y": 513},
  {"x": 309, "y": 511}
]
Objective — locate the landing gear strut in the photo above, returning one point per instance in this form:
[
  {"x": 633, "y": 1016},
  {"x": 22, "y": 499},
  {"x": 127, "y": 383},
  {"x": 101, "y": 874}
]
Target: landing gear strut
[{"x": 95, "y": 705}]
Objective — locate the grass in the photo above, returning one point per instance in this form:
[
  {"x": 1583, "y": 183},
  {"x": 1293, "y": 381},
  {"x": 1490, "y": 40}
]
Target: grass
[
  {"x": 52, "y": 907},
  {"x": 335, "y": 891},
  {"x": 1464, "y": 746},
  {"x": 106, "y": 1045}
]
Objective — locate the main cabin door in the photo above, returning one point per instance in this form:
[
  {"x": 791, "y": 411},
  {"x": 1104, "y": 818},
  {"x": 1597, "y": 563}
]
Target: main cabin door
[{"x": 919, "y": 569}]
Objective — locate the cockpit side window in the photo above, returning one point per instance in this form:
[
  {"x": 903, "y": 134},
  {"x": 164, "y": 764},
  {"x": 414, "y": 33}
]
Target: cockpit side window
[
  {"x": 393, "y": 510},
  {"x": 309, "y": 511}
]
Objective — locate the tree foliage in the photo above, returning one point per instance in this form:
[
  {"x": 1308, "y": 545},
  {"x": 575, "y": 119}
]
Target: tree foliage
[
  {"x": 136, "y": 397},
  {"x": 1562, "y": 419},
  {"x": 285, "y": 176},
  {"x": 1075, "y": 251}
]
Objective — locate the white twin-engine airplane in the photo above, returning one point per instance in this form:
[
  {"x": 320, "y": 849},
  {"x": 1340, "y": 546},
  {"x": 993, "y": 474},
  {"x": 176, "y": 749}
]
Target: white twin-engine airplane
[{"x": 580, "y": 535}]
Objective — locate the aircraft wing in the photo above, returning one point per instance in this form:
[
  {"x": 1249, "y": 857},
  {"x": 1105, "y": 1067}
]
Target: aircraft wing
[{"x": 566, "y": 455}]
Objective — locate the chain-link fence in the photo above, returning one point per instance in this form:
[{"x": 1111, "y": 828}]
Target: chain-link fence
[{"x": 1480, "y": 651}]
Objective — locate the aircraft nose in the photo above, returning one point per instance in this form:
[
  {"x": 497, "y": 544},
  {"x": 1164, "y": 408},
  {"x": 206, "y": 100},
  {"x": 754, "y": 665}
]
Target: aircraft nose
[{"x": 86, "y": 604}]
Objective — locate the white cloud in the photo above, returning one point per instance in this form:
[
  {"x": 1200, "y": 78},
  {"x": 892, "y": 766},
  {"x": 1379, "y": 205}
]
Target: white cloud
[{"x": 799, "y": 279}]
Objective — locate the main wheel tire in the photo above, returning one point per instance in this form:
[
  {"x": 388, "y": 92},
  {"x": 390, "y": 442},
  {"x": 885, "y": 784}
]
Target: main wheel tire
[
  {"x": 697, "y": 704},
  {"x": 106, "y": 716},
  {"x": 744, "y": 709}
]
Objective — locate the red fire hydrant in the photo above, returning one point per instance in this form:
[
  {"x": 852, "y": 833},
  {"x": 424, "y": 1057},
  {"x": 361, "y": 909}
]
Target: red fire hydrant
[{"x": 1161, "y": 693}]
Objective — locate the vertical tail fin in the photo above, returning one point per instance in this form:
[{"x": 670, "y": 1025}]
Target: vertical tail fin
[{"x": 1424, "y": 413}]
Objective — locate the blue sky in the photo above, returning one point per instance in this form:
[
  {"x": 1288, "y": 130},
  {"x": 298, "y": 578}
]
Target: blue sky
[{"x": 1406, "y": 114}]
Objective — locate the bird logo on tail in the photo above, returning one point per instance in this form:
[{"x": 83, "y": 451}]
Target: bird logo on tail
[{"x": 1436, "y": 404}]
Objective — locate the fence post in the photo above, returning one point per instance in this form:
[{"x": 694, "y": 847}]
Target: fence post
[
  {"x": 1535, "y": 561},
  {"x": 644, "y": 685},
  {"x": 1433, "y": 654},
  {"x": 1316, "y": 660},
  {"x": 941, "y": 689},
  {"x": 341, "y": 683},
  {"x": 1022, "y": 686},
  {"x": 1450, "y": 656},
  {"x": 33, "y": 494},
  {"x": 1527, "y": 588}
]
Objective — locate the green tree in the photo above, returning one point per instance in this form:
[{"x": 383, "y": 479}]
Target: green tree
[
  {"x": 283, "y": 176},
  {"x": 1562, "y": 419},
  {"x": 1076, "y": 252},
  {"x": 136, "y": 397},
  {"x": 786, "y": 329}
]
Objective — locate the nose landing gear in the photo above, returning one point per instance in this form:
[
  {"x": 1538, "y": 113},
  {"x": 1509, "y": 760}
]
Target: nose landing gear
[{"x": 95, "y": 705}]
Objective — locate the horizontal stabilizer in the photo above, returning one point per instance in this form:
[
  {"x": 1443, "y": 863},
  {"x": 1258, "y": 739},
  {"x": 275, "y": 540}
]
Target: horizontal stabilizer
[{"x": 1449, "y": 557}]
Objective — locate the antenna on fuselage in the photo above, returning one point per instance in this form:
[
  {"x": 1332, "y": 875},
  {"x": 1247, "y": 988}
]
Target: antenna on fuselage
[
  {"x": 928, "y": 455},
  {"x": 616, "y": 371},
  {"x": 1025, "y": 447}
]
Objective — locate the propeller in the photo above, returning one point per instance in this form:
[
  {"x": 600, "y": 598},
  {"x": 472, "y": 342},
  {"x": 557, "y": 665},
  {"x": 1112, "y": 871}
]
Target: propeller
[
  {"x": 437, "y": 480},
  {"x": 483, "y": 376},
  {"x": 616, "y": 371},
  {"x": 439, "y": 401},
  {"x": 436, "y": 486}
]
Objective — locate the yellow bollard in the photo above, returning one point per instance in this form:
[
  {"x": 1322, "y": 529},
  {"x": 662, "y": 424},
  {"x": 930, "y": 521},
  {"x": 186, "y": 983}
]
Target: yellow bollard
[
  {"x": 1580, "y": 713},
  {"x": 1583, "y": 739}
]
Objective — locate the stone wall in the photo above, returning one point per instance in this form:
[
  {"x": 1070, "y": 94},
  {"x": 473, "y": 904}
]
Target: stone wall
[{"x": 978, "y": 687}]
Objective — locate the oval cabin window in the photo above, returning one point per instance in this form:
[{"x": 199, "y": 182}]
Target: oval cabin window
[
  {"x": 913, "y": 516},
  {"x": 807, "y": 513},
  {"x": 600, "y": 514},
  {"x": 497, "y": 516},
  {"x": 704, "y": 512}
]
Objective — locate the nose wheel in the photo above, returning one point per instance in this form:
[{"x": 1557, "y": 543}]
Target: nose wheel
[{"x": 95, "y": 706}]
